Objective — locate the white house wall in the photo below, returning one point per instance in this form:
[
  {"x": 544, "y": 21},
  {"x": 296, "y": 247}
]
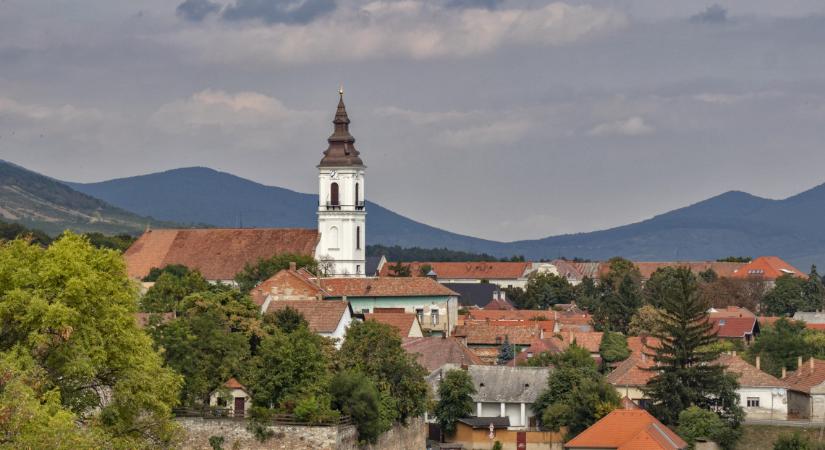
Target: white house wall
[{"x": 773, "y": 402}]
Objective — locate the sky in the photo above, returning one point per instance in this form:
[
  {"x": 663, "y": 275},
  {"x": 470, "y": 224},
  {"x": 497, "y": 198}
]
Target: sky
[{"x": 502, "y": 119}]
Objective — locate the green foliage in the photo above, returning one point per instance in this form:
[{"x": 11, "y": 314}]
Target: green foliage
[
  {"x": 259, "y": 420},
  {"x": 254, "y": 274},
  {"x": 289, "y": 368},
  {"x": 374, "y": 349},
  {"x": 796, "y": 441},
  {"x": 506, "y": 352},
  {"x": 545, "y": 290},
  {"x": 613, "y": 347},
  {"x": 661, "y": 284},
  {"x": 178, "y": 270},
  {"x": 397, "y": 253},
  {"x": 287, "y": 319},
  {"x": 576, "y": 395},
  {"x": 400, "y": 269},
  {"x": 618, "y": 303},
  {"x": 455, "y": 399},
  {"x": 779, "y": 345},
  {"x": 736, "y": 259},
  {"x": 355, "y": 395},
  {"x": 315, "y": 410},
  {"x": 708, "y": 276},
  {"x": 588, "y": 294},
  {"x": 170, "y": 288},
  {"x": 70, "y": 307},
  {"x": 686, "y": 372},
  {"x": 645, "y": 322},
  {"x": 216, "y": 442},
  {"x": 498, "y": 446},
  {"x": 119, "y": 242},
  {"x": 11, "y": 231},
  {"x": 695, "y": 422},
  {"x": 786, "y": 297},
  {"x": 424, "y": 269},
  {"x": 209, "y": 342}
]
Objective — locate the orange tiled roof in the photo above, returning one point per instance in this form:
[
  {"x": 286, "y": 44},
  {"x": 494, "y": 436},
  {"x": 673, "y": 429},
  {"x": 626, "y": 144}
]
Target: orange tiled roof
[
  {"x": 734, "y": 327},
  {"x": 232, "y": 383},
  {"x": 632, "y": 371},
  {"x": 434, "y": 352},
  {"x": 323, "y": 316},
  {"x": 485, "y": 334},
  {"x": 768, "y": 268},
  {"x": 539, "y": 346},
  {"x": 218, "y": 253},
  {"x": 642, "y": 344},
  {"x": 468, "y": 270},
  {"x": 731, "y": 311},
  {"x": 403, "y": 322},
  {"x": 628, "y": 429},
  {"x": 546, "y": 325},
  {"x": 260, "y": 292},
  {"x": 805, "y": 377},
  {"x": 384, "y": 287},
  {"x": 749, "y": 376},
  {"x": 514, "y": 314},
  {"x": 591, "y": 340},
  {"x": 723, "y": 269}
]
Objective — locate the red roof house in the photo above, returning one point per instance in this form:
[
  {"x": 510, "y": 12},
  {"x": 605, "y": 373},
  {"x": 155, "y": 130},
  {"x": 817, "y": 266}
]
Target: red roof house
[{"x": 627, "y": 429}]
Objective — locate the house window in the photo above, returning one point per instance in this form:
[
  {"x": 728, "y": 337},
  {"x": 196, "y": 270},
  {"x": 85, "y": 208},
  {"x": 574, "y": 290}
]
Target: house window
[
  {"x": 753, "y": 402},
  {"x": 358, "y": 238},
  {"x": 357, "y": 201},
  {"x": 420, "y": 313},
  {"x": 358, "y": 269},
  {"x": 434, "y": 316}
]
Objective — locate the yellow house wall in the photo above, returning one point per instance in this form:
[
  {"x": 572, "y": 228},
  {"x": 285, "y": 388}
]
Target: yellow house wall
[{"x": 480, "y": 440}]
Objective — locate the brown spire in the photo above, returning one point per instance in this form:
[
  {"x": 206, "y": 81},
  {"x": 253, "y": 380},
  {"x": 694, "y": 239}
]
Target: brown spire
[{"x": 341, "y": 150}]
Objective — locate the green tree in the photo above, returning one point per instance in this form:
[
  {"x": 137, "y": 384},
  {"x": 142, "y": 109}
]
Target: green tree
[
  {"x": 374, "y": 349},
  {"x": 545, "y": 290},
  {"x": 71, "y": 307},
  {"x": 253, "y": 274},
  {"x": 613, "y": 347},
  {"x": 779, "y": 345},
  {"x": 796, "y": 441},
  {"x": 686, "y": 372},
  {"x": 662, "y": 281},
  {"x": 400, "y": 270},
  {"x": 209, "y": 342},
  {"x": 178, "y": 270},
  {"x": 424, "y": 269},
  {"x": 576, "y": 395},
  {"x": 355, "y": 395},
  {"x": 588, "y": 294},
  {"x": 617, "y": 305},
  {"x": 12, "y": 231},
  {"x": 170, "y": 289},
  {"x": 289, "y": 368},
  {"x": 695, "y": 422},
  {"x": 287, "y": 319},
  {"x": 645, "y": 322},
  {"x": 455, "y": 399},
  {"x": 619, "y": 268},
  {"x": 506, "y": 352},
  {"x": 786, "y": 297},
  {"x": 814, "y": 291}
]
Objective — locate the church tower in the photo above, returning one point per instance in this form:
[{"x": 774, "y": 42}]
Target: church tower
[{"x": 341, "y": 206}]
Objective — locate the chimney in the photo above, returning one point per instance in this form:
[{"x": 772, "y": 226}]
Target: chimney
[
  {"x": 799, "y": 362},
  {"x": 784, "y": 373},
  {"x": 811, "y": 362},
  {"x": 292, "y": 266},
  {"x": 758, "y": 363},
  {"x": 734, "y": 353}
]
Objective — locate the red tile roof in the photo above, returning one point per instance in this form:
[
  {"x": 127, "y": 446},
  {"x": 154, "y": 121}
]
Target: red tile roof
[
  {"x": 142, "y": 319},
  {"x": 815, "y": 326},
  {"x": 232, "y": 383},
  {"x": 749, "y": 376},
  {"x": 734, "y": 327},
  {"x": 434, "y": 352},
  {"x": 632, "y": 371},
  {"x": 499, "y": 304},
  {"x": 284, "y": 279},
  {"x": 384, "y": 287},
  {"x": 730, "y": 311},
  {"x": 515, "y": 314},
  {"x": 485, "y": 334},
  {"x": 723, "y": 269},
  {"x": 539, "y": 346},
  {"x": 218, "y": 253},
  {"x": 805, "y": 377},
  {"x": 468, "y": 270},
  {"x": 642, "y": 344},
  {"x": 768, "y": 268},
  {"x": 590, "y": 340},
  {"x": 323, "y": 316},
  {"x": 403, "y": 322},
  {"x": 628, "y": 429}
]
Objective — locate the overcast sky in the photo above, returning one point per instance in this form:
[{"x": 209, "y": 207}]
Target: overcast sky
[{"x": 503, "y": 119}]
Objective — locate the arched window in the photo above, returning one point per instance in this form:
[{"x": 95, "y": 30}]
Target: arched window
[
  {"x": 357, "y": 197},
  {"x": 358, "y": 238},
  {"x": 333, "y": 193},
  {"x": 333, "y": 237}
]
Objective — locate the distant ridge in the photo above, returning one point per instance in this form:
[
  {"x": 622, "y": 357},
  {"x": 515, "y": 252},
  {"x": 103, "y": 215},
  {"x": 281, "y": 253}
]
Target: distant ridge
[{"x": 732, "y": 223}]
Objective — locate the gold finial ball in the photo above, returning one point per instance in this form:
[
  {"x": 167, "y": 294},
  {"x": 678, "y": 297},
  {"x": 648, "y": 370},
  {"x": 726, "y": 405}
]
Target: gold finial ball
[{"x": 341, "y": 90}]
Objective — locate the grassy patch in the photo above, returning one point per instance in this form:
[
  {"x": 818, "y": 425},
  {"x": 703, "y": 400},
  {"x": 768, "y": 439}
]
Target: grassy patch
[{"x": 762, "y": 437}]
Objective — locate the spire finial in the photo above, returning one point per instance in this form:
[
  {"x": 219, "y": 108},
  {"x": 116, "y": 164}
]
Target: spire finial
[{"x": 341, "y": 90}]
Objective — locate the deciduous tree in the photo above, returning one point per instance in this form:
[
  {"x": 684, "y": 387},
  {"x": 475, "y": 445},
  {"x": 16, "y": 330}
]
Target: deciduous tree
[{"x": 455, "y": 399}]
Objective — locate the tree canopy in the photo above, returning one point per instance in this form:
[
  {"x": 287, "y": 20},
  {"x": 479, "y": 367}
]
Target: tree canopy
[{"x": 455, "y": 399}]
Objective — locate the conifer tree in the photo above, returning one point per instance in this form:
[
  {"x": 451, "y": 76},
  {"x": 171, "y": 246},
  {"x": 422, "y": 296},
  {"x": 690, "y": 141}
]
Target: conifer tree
[
  {"x": 687, "y": 373},
  {"x": 506, "y": 352}
]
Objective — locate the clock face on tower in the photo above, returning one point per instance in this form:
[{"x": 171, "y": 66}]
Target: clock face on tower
[{"x": 333, "y": 174}]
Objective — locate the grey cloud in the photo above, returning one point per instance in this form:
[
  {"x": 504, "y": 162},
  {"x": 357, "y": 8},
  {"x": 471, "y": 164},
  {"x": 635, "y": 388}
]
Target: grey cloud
[
  {"x": 486, "y": 4},
  {"x": 279, "y": 11},
  {"x": 713, "y": 14},
  {"x": 197, "y": 10}
]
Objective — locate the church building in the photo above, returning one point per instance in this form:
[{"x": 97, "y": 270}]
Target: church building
[{"x": 338, "y": 244}]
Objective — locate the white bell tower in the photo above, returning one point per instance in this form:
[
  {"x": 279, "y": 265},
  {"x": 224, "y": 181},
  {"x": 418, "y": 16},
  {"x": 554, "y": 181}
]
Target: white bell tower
[{"x": 341, "y": 205}]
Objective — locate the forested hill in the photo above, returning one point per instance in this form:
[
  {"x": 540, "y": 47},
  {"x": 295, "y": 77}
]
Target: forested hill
[{"x": 40, "y": 202}]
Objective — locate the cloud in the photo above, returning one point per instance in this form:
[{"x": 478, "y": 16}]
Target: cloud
[
  {"x": 197, "y": 10},
  {"x": 486, "y": 4},
  {"x": 279, "y": 11},
  {"x": 216, "y": 108},
  {"x": 633, "y": 126},
  {"x": 713, "y": 14},
  {"x": 64, "y": 113},
  {"x": 492, "y": 133},
  {"x": 417, "y": 30}
]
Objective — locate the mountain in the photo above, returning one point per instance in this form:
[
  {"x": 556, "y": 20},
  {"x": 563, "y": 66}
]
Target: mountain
[
  {"x": 202, "y": 195},
  {"x": 43, "y": 203},
  {"x": 733, "y": 223}
]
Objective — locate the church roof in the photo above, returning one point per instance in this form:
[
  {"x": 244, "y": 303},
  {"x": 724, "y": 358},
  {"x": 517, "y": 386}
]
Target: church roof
[
  {"x": 218, "y": 253},
  {"x": 341, "y": 151}
]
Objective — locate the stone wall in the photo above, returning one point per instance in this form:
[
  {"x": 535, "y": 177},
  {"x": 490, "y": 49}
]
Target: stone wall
[{"x": 288, "y": 437}]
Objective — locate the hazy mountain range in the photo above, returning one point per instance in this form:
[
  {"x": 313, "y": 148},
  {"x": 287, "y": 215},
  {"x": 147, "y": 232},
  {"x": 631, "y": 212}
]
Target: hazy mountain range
[{"x": 733, "y": 223}]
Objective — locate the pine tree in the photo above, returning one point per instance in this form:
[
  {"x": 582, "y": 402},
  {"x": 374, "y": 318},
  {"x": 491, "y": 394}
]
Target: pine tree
[
  {"x": 814, "y": 291},
  {"x": 687, "y": 373},
  {"x": 506, "y": 352}
]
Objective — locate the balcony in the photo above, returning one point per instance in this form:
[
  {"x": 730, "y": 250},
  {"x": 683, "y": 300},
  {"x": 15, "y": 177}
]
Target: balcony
[{"x": 338, "y": 207}]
